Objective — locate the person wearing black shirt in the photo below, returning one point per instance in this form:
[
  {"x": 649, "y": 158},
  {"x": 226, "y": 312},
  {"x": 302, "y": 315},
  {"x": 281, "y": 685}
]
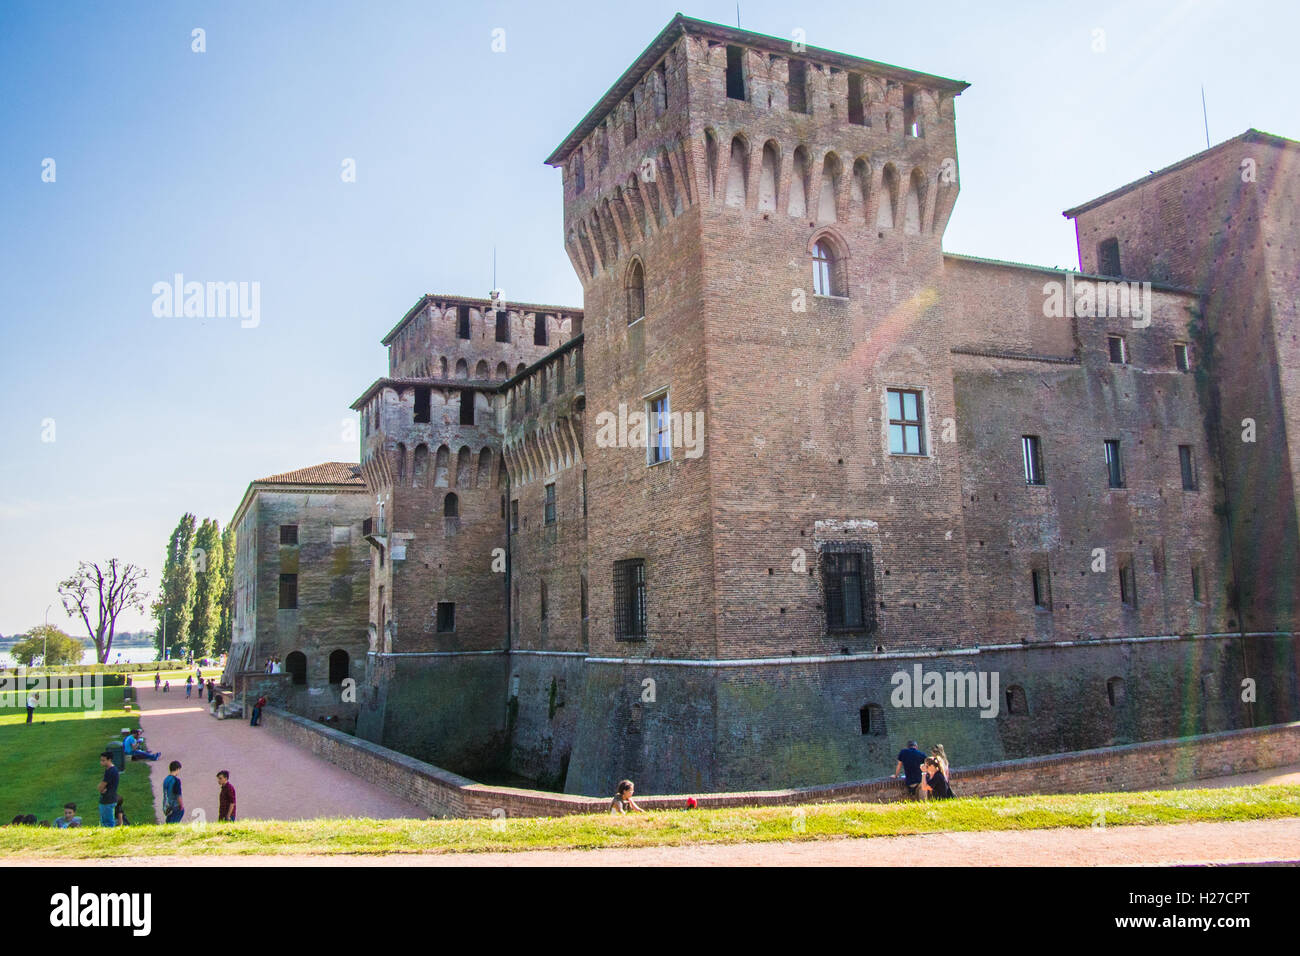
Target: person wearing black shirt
[
  {"x": 108, "y": 791},
  {"x": 909, "y": 764},
  {"x": 936, "y": 782}
]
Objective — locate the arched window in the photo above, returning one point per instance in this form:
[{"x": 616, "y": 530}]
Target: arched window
[
  {"x": 635, "y": 292},
  {"x": 481, "y": 370},
  {"x": 871, "y": 718},
  {"x": 296, "y": 665},
  {"x": 1017, "y": 704},
  {"x": 503, "y": 371},
  {"x": 401, "y": 463},
  {"x": 420, "y": 472},
  {"x": 451, "y": 506},
  {"x": 738, "y": 173},
  {"x": 338, "y": 666},
  {"x": 823, "y": 269}
]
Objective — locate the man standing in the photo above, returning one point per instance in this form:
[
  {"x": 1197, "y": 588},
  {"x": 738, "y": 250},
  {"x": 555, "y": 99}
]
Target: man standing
[
  {"x": 226, "y": 799},
  {"x": 910, "y": 760},
  {"x": 257, "y": 711},
  {"x": 33, "y": 701},
  {"x": 173, "y": 805},
  {"x": 107, "y": 790}
]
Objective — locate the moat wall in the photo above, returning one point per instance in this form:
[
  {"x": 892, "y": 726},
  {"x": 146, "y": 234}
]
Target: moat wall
[{"x": 678, "y": 727}]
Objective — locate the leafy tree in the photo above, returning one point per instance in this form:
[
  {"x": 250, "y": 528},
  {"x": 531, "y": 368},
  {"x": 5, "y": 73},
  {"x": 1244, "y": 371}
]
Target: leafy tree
[
  {"x": 209, "y": 568},
  {"x": 103, "y": 592},
  {"x": 50, "y": 645},
  {"x": 175, "y": 602},
  {"x": 226, "y": 629}
]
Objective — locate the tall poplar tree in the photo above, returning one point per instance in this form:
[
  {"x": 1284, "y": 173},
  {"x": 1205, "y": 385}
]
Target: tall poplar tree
[
  {"x": 226, "y": 630},
  {"x": 209, "y": 581},
  {"x": 176, "y": 597}
]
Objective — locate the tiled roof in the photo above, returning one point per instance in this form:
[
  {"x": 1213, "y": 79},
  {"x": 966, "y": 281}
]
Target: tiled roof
[{"x": 328, "y": 473}]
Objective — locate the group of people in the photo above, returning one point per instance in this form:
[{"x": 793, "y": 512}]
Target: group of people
[
  {"x": 273, "y": 665},
  {"x": 66, "y": 821},
  {"x": 110, "y": 802},
  {"x": 925, "y": 775}
]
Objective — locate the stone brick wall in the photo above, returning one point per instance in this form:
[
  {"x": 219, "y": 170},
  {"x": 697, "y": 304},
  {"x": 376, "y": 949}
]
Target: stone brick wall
[
  {"x": 1206, "y": 224},
  {"x": 1142, "y": 766}
]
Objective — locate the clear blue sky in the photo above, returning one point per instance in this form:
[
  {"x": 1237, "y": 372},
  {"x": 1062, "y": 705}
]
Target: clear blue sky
[{"x": 225, "y": 165}]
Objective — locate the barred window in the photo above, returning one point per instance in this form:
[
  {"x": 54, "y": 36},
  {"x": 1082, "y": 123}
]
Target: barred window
[
  {"x": 629, "y": 600},
  {"x": 847, "y": 576}
]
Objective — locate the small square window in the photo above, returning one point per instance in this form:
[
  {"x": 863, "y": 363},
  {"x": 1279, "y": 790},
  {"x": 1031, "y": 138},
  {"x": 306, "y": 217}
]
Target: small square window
[
  {"x": 906, "y": 422},
  {"x": 288, "y": 534},
  {"x": 341, "y": 534},
  {"x": 446, "y": 617},
  {"x": 1183, "y": 357},
  {"x": 659, "y": 425},
  {"x": 1118, "y": 353}
]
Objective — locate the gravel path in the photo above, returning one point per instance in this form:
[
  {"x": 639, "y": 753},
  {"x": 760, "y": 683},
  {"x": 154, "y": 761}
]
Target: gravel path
[{"x": 273, "y": 779}]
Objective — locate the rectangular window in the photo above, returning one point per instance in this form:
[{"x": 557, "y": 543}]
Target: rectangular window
[
  {"x": 1042, "y": 589},
  {"x": 659, "y": 426},
  {"x": 1197, "y": 595},
  {"x": 503, "y": 325},
  {"x": 582, "y": 596},
  {"x": 288, "y": 591},
  {"x": 797, "y": 88},
  {"x": 467, "y": 406},
  {"x": 341, "y": 534},
  {"x": 629, "y": 600},
  {"x": 1182, "y": 357},
  {"x": 462, "y": 321},
  {"x": 735, "y": 73},
  {"x": 559, "y": 376},
  {"x": 539, "y": 330},
  {"x": 906, "y": 431},
  {"x": 1032, "y": 453},
  {"x": 1188, "y": 465},
  {"x": 288, "y": 534},
  {"x": 549, "y": 514},
  {"x": 847, "y": 581},
  {"x": 446, "y": 617},
  {"x": 422, "y": 394},
  {"x": 629, "y": 127},
  {"x": 1118, "y": 354},
  {"x": 661, "y": 93},
  {"x": 514, "y": 515},
  {"x": 1108, "y": 257},
  {"x": 584, "y": 492},
  {"x": 857, "y": 115},
  {"x": 1114, "y": 466},
  {"x": 1127, "y": 590},
  {"x": 579, "y": 174},
  {"x": 544, "y": 603},
  {"x": 911, "y": 126}
]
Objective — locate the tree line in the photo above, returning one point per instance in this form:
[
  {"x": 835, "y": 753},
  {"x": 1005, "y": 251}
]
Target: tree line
[{"x": 196, "y": 600}]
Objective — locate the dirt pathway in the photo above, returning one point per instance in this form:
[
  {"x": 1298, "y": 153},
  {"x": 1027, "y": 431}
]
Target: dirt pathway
[{"x": 273, "y": 779}]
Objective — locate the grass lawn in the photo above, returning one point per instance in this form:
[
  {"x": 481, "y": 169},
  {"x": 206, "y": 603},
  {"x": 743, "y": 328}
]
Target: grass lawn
[
  {"x": 56, "y": 760},
  {"x": 662, "y": 828}
]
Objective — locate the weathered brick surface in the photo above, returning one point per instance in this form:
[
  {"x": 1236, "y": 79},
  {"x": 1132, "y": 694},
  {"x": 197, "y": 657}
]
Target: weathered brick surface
[
  {"x": 1143, "y": 766},
  {"x": 751, "y": 687}
]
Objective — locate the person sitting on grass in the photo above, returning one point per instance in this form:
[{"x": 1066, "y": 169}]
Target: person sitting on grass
[
  {"x": 69, "y": 818},
  {"x": 135, "y": 749},
  {"x": 935, "y": 782},
  {"x": 622, "y": 802}
]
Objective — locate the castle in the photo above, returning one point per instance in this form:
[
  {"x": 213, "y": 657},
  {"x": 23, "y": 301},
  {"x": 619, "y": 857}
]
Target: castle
[{"x": 789, "y": 448}]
